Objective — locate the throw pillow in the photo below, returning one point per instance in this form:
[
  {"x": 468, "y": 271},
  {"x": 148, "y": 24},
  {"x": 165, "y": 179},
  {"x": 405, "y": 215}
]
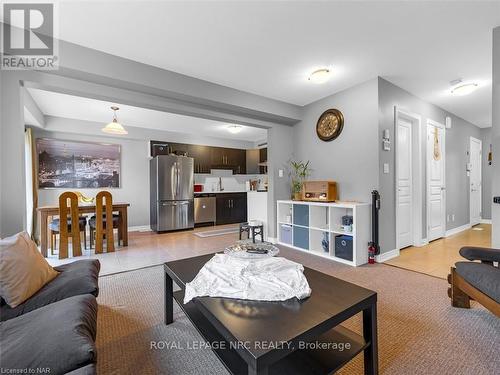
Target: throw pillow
[{"x": 23, "y": 269}]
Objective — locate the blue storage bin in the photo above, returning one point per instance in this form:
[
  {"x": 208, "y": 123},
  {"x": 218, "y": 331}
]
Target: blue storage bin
[
  {"x": 286, "y": 233},
  {"x": 301, "y": 237},
  {"x": 301, "y": 214}
]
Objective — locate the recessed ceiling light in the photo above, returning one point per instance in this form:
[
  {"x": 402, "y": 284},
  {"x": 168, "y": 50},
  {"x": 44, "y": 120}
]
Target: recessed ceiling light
[
  {"x": 464, "y": 89},
  {"x": 234, "y": 129},
  {"x": 114, "y": 127},
  {"x": 320, "y": 76}
]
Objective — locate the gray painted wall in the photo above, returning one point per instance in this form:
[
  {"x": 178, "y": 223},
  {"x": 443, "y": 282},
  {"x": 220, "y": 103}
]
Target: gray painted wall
[
  {"x": 495, "y": 134},
  {"x": 457, "y": 145},
  {"x": 279, "y": 151},
  {"x": 351, "y": 160},
  {"x": 487, "y": 171}
]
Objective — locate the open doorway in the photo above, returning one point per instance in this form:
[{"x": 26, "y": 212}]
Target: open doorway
[{"x": 228, "y": 163}]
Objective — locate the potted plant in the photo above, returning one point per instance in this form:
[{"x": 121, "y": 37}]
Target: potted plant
[{"x": 299, "y": 172}]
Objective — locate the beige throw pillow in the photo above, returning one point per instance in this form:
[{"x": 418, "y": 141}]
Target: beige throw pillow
[{"x": 23, "y": 269}]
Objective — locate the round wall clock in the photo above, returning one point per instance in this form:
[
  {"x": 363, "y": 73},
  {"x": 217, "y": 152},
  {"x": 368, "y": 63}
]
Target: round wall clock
[{"x": 330, "y": 125}]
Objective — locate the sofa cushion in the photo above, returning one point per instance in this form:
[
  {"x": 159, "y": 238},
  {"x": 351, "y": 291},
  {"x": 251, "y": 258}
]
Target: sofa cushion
[
  {"x": 23, "y": 269},
  {"x": 484, "y": 277},
  {"x": 58, "y": 337},
  {"x": 79, "y": 277}
]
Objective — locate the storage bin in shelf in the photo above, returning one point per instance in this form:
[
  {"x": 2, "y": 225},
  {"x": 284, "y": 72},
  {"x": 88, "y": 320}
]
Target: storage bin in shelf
[
  {"x": 286, "y": 234},
  {"x": 319, "y": 241},
  {"x": 336, "y": 214},
  {"x": 343, "y": 247},
  {"x": 301, "y": 237},
  {"x": 301, "y": 214},
  {"x": 318, "y": 217}
]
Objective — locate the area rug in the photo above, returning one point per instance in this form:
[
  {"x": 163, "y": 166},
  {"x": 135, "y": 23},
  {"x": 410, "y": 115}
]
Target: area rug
[
  {"x": 419, "y": 332},
  {"x": 217, "y": 232}
]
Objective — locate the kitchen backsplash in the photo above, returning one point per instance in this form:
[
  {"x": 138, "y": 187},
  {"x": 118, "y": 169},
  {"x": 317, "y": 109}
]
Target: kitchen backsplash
[{"x": 230, "y": 182}]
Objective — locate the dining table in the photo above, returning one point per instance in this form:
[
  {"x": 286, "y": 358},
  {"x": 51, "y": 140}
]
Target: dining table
[{"x": 46, "y": 212}]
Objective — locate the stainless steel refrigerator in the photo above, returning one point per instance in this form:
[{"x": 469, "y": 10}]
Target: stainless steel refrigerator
[{"x": 172, "y": 197}]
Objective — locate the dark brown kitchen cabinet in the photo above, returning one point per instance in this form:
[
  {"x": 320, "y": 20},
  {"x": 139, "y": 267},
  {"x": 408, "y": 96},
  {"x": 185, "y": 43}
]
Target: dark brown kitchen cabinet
[
  {"x": 205, "y": 157},
  {"x": 231, "y": 208},
  {"x": 229, "y": 158},
  {"x": 201, "y": 156}
]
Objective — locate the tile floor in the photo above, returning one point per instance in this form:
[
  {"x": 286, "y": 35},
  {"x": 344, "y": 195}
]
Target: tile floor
[{"x": 148, "y": 249}]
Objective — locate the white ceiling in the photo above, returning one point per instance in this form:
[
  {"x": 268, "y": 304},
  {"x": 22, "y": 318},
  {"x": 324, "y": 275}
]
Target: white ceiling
[
  {"x": 75, "y": 107},
  {"x": 268, "y": 48}
]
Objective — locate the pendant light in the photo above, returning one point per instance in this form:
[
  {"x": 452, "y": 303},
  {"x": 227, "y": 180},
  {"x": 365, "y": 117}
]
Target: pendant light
[{"x": 114, "y": 127}]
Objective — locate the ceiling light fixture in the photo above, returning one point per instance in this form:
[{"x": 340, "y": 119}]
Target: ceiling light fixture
[
  {"x": 462, "y": 89},
  {"x": 114, "y": 127},
  {"x": 234, "y": 129},
  {"x": 320, "y": 76}
]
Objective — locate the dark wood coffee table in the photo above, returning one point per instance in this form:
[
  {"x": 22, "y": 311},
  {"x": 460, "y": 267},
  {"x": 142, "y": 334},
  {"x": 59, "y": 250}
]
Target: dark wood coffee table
[{"x": 291, "y": 337}]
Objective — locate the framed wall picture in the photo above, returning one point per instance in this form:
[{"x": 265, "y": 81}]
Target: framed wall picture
[{"x": 72, "y": 164}]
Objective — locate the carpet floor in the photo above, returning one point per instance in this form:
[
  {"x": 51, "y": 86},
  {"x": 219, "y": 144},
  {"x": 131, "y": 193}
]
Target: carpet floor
[{"x": 419, "y": 332}]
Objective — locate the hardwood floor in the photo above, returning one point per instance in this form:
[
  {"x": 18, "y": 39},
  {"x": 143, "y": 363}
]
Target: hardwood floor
[{"x": 437, "y": 257}]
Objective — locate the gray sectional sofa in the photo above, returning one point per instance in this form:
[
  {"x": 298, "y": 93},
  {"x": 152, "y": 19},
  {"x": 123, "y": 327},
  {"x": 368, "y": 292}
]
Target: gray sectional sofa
[{"x": 56, "y": 328}]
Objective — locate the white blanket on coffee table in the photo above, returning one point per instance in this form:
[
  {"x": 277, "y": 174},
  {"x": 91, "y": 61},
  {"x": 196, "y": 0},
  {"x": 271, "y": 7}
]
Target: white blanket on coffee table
[{"x": 267, "y": 279}]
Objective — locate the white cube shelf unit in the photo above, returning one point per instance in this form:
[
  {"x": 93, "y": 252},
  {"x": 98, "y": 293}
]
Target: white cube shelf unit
[{"x": 313, "y": 227}]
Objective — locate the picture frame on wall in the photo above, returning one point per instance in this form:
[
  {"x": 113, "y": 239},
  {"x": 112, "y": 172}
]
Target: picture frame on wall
[{"x": 74, "y": 164}]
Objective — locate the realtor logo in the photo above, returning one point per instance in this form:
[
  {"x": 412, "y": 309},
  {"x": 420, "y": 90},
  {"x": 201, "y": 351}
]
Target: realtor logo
[{"x": 28, "y": 36}]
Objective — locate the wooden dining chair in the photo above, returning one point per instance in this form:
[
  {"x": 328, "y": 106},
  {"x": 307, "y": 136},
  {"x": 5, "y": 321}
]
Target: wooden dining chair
[
  {"x": 69, "y": 227},
  {"x": 104, "y": 200}
]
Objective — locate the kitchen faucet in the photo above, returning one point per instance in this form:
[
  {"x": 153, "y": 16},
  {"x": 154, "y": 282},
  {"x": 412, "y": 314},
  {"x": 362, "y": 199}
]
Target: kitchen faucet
[{"x": 220, "y": 184}]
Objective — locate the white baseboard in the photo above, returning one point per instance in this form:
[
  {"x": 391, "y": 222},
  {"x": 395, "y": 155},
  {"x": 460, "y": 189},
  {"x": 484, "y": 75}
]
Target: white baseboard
[
  {"x": 485, "y": 221},
  {"x": 386, "y": 256},
  {"x": 272, "y": 239},
  {"x": 456, "y": 230},
  {"x": 140, "y": 228}
]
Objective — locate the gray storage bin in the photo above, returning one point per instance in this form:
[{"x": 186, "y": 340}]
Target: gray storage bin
[{"x": 286, "y": 233}]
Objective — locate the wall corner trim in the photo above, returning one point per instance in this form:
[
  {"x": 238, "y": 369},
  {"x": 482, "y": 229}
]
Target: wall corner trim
[
  {"x": 457, "y": 230},
  {"x": 386, "y": 256}
]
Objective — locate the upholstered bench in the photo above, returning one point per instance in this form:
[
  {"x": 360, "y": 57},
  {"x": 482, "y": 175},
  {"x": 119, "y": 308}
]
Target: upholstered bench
[{"x": 478, "y": 281}]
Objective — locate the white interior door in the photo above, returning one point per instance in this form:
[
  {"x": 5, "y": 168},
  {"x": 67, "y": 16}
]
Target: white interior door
[
  {"x": 475, "y": 151},
  {"x": 404, "y": 183},
  {"x": 436, "y": 187}
]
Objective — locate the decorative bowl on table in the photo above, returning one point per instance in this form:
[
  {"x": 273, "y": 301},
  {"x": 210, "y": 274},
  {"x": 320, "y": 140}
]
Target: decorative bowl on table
[{"x": 246, "y": 249}]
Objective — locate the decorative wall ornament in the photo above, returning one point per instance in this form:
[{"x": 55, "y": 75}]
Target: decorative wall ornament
[
  {"x": 437, "y": 148},
  {"x": 330, "y": 125}
]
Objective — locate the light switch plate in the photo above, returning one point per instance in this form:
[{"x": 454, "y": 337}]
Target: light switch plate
[
  {"x": 280, "y": 172},
  {"x": 386, "y": 168}
]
